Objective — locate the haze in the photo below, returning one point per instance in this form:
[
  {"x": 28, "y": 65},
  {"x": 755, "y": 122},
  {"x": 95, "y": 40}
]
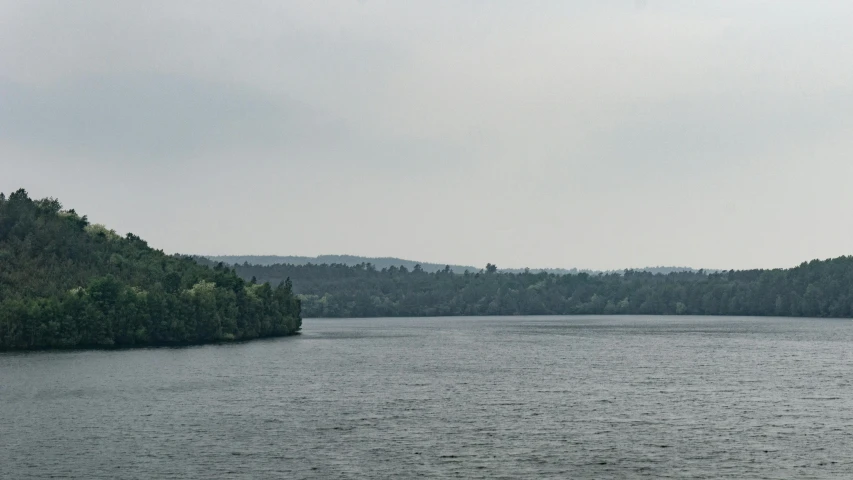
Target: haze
[{"x": 588, "y": 134}]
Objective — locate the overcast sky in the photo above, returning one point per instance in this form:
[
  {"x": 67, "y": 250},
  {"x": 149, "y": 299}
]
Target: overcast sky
[{"x": 591, "y": 134}]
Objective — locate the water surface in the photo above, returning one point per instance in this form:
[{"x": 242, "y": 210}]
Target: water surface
[{"x": 498, "y": 397}]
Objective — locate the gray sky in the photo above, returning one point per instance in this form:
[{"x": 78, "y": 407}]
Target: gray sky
[{"x": 590, "y": 134}]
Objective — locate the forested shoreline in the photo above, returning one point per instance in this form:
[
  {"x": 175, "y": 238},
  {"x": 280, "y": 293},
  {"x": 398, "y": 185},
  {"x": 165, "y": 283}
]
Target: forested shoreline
[
  {"x": 66, "y": 283},
  {"x": 812, "y": 289}
]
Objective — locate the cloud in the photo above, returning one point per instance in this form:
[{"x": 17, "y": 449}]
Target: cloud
[
  {"x": 539, "y": 131},
  {"x": 153, "y": 115}
]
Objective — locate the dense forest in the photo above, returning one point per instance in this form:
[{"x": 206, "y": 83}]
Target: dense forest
[
  {"x": 67, "y": 283},
  {"x": 813, "y": 289}
]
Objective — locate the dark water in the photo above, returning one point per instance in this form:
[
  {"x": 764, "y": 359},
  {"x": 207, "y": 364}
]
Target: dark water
[{"x": 542, "y": 397}]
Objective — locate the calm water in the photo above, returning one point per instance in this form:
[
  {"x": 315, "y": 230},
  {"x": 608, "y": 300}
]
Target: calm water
[{"x": 529, "y": 397}]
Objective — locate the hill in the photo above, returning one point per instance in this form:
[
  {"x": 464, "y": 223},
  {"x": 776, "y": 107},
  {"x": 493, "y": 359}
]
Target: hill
[
  {"x": 387, "y": 262},
  {"x": 351, "y": 260},
  {"x": 67, "y": 283},
  {"x": 813, "y": 289}
]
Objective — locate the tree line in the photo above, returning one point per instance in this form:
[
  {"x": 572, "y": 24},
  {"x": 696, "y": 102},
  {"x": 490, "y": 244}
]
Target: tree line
[
  {"x": 67, "y": 283},
  {"x": 812, "y": 289}
]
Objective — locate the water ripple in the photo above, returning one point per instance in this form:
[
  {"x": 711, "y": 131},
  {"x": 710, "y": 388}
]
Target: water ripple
[{"x": 523, "y": 397}]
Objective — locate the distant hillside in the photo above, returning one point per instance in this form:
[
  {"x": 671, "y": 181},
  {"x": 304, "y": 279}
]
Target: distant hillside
[
  {"x": 387, "y": 262},
  {"x": 813, "y": 289},
  {"x": 349, "y": 260}
]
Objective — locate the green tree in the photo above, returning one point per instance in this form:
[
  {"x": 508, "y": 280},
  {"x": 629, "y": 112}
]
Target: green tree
[{"x": 66, "y": 283}]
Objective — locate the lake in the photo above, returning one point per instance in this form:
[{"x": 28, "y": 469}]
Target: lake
[{"x": 496, "y": 397}]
